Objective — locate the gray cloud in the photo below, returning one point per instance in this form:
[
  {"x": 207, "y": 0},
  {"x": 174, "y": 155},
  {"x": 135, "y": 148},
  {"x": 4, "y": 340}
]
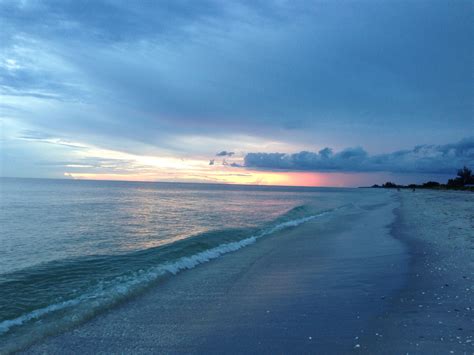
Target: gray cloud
[
  {"x": 436, "y": 159},
  {"x": 225, "y": 153},
  {"x": 148, "y": 71}
]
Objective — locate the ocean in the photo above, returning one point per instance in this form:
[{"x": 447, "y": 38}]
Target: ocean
[{"x": 70, "y": 249}]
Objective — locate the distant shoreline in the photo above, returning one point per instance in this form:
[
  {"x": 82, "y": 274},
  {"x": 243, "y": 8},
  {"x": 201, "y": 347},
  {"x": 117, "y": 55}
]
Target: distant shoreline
[
  {"x": 463, "y": 181},
  {"x": 420, "y": 187}
]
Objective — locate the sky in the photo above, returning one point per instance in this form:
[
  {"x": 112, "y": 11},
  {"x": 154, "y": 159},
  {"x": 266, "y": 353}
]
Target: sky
[{"x": 314, "y": 93}]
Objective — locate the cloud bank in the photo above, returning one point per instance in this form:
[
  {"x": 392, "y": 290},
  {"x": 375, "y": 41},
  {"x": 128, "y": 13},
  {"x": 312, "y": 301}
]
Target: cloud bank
[
  {"x": 436, "y": 159},
  {"x": 149, "y": 72}
]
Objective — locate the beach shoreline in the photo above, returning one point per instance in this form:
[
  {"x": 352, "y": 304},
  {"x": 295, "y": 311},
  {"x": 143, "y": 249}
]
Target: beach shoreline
[
  {"x": 347, "y": 282},
  {"x": 315, "y": 287}
]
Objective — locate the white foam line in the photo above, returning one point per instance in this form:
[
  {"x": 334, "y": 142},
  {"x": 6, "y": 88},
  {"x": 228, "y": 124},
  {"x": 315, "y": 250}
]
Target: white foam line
[{"x": 183, "y": 263}]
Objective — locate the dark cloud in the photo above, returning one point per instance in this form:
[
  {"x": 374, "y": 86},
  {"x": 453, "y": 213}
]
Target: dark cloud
[
  {"x": 104, "y": 21},
  {"x": 439, "y": 159},
  {"x": 148, "y": 71},
  {"x": 225, "y": 153}
]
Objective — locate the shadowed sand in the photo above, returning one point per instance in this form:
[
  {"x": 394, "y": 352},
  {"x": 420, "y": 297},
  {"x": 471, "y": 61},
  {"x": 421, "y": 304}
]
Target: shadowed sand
[{"x": 338, "y": 284}]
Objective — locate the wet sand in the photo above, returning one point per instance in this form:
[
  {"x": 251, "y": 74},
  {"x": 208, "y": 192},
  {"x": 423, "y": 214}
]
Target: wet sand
[{"x": 349, "y": 282}]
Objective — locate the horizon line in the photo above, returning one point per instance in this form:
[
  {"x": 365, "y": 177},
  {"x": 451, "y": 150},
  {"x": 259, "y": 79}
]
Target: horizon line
[{"x": 184, "y": 182}]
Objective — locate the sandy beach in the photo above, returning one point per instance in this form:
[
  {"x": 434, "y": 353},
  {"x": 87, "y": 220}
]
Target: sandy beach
[
  {"x": 391, "y": 274},
  {"x": 433, "y": 313}
]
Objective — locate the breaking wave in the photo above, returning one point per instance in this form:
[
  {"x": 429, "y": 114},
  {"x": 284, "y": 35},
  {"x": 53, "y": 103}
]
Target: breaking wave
[{"x": 65, "y": 292}]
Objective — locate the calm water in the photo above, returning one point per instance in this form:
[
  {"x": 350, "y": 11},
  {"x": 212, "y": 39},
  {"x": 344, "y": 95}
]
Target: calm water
[{"x": 69, "y": 249}]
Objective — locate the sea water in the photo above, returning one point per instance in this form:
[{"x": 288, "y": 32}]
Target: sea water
[{"x": 70, "y": 249}]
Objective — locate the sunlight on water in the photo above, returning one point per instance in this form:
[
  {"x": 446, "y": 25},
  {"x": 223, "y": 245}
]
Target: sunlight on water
[{"x": 63, "y": 219}]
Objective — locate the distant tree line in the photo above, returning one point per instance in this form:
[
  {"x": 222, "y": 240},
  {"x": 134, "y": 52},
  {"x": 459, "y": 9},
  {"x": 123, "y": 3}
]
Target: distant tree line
[
  {"x": 464, "y": 178},
  {"x": 463, "y": 181}
]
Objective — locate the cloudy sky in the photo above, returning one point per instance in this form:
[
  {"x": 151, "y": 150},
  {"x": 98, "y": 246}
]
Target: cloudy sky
[{"x": 341, "y": 93}]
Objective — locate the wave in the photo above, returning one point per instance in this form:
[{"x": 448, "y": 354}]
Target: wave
[{"x": 77, "y": 289}]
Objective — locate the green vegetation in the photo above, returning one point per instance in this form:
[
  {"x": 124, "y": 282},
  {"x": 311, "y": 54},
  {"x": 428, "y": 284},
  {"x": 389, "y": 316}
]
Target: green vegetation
[{"x": 463, "y": 181}]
